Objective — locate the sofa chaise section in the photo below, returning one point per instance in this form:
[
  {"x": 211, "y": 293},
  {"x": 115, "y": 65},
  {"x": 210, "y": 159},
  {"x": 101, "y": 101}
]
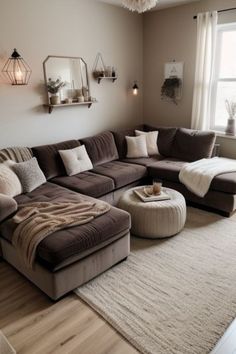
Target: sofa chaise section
[
  {"x": 220, "y": 197},
  {"x": 70, "y": 257}
]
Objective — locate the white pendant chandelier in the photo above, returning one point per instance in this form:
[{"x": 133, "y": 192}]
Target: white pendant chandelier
[{"x": 139, "y": 5}]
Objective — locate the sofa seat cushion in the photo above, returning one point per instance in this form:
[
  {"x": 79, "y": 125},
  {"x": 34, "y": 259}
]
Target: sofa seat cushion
[
  {"x": 49, "y": 158},
  {"x": 87, "y": 183},
  {"x": 68, "y": 244},
  {"x": 101, "y": 148},
  {"x": 144, "y": 161},
  {"x": 169, "y": 170},
  {"x": 225, "y": 183},
  {"x": 121, "y": 172}
]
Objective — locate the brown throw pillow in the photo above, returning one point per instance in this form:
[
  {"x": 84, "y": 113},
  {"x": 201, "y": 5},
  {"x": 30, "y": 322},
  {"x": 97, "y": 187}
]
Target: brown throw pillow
[{"x": 192, "y": 145}]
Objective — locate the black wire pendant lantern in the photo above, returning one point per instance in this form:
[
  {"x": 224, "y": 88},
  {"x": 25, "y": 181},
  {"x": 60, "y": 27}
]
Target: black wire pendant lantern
[{"x": 17, "y": 70}]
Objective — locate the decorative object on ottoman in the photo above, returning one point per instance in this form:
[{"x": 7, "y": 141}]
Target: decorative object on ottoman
[
  {"x": 146, "y": 194},
  {"x": 156, "y": 187},
  {"x": 156, "y": 219}
]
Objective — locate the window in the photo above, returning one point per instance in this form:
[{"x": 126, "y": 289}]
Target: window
[{"x": 224, "y": 82}]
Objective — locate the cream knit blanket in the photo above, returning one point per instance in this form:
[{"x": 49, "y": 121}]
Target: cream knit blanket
[
  {"x": 38, "y": 220},
  {"x": 197, "y": 176},
  {"x": 17, "y": 154}
]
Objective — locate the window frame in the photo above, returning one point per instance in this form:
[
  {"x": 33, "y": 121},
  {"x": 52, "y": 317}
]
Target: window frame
[{"x": 221, "y": 28}]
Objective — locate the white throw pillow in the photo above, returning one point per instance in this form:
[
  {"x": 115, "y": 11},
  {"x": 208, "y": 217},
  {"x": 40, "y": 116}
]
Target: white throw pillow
[
  {"x": 151, "y": 138},
  {"x": 9, "y": 182},
  {"x": 136, "y": 146},
  {"x": 76, "y": 160}
]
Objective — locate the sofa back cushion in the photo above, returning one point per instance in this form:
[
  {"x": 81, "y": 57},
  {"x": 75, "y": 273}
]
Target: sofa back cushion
[
  {"x": 101, "y": 148},
  {"x": 49, "y": 158},
  {"x": 121, "y": 142},
  {"x": 166, "y": 136},
  {"x": 191, "y": 145}
]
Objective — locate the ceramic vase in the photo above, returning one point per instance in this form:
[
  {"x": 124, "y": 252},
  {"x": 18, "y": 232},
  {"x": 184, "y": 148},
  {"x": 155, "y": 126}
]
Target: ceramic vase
[{"x": 230, "y": 129}]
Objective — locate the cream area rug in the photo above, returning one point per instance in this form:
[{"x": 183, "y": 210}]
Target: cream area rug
[
  {"x": 174, "y": 296},
  {"x": 5, "y": 346}
]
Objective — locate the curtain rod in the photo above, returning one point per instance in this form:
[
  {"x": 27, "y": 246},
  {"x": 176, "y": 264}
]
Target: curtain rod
[{"x": 232, "y": 8}]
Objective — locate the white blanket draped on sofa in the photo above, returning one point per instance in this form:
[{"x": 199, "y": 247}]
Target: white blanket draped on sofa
[{"x": 197, "y": 176}]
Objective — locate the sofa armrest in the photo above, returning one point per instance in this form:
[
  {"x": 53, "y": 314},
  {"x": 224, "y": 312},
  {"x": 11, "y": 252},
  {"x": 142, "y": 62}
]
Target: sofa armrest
[
  {"x": 216, "y": 151},
  {"x": 8, "y": 206}
]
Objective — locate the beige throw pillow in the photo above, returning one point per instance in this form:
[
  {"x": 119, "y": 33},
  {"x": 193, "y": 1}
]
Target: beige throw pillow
[
  {"x": 9, "y": 182},
  {"x": 76, "y": 160},
  {"x": 136, "y": 146},
  {"x": 151, "y": 138},
  {"x": 30, "y": 174}
]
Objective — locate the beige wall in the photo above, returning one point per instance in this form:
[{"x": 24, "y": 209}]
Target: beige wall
[
  {"x": 70, "y": 28},
  {"x": 171, "y": 34}
]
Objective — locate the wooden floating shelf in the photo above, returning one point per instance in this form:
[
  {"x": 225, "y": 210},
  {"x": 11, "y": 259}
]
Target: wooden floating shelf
[
  {"x": 112, "y": 78},
  {"x": 52, "y": 106}
]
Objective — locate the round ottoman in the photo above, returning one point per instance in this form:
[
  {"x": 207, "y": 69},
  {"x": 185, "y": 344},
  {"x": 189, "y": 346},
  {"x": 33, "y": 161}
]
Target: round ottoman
[{"x": 155, "y": 219}]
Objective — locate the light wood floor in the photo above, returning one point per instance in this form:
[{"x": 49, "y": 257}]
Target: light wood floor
[{"x": 36, "y": 325}]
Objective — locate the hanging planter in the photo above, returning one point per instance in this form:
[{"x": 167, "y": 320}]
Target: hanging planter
[
  {"x": 170, "y": 89},
  {"x": 101, "y": 71}
]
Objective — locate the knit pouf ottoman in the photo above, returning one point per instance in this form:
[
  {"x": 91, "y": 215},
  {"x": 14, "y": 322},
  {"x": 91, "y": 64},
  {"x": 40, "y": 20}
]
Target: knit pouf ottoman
[{"x": 155, "y": 219}]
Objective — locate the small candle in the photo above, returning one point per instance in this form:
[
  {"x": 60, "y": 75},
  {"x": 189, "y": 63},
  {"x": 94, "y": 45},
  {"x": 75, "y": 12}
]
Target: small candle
[
  {"x": 156, "y": 188},
  {"x": 19, "y": 76}
]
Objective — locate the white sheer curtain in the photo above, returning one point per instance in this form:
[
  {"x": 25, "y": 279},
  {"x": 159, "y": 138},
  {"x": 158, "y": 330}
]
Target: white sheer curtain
[{"x": 206, "y": 42}]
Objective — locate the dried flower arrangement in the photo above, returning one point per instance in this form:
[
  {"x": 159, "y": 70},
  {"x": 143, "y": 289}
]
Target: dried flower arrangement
[
  {"x": 231, "y": 108},
  {"x": 54, "y": 86}
]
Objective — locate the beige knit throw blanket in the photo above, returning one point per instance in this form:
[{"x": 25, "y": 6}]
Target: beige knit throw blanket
[
  {"x": 17, "y": 154},
  {"x": 36, "y": 221}
]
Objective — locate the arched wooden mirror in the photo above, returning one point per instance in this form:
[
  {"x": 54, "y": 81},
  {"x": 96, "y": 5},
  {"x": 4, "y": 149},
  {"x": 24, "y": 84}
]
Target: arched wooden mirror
[{"x": 66, "y": 80}]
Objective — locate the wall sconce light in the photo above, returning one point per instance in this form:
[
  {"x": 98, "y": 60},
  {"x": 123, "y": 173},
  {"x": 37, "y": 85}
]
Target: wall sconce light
[
  {"x": 17, "y": 70},
  {"x": 135, "y": 88}
]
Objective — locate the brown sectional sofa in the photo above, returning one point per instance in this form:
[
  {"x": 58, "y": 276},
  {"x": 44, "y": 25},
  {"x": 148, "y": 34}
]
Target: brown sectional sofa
[{"x": 69, "y": 258}]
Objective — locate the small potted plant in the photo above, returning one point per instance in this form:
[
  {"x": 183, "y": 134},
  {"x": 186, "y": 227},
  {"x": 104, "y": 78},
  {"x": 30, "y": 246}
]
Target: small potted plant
[
  {"x": 231, "y": 109},
  {"x": 54, "y": 87}
]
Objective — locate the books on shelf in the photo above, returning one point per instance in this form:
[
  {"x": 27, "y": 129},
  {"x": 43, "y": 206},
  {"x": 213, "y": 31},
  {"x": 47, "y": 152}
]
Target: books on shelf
[{"x": 140, "y": 192}]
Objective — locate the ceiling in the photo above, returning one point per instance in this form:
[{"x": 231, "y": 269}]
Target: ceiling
[{"x": 162, "y": 4}]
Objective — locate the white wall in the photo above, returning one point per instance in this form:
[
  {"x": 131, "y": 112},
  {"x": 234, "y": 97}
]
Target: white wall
[{"x": 70, "y": 28}]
